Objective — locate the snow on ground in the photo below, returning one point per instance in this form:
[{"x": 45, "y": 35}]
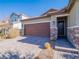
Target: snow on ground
[{"x": 24, "y": 45}]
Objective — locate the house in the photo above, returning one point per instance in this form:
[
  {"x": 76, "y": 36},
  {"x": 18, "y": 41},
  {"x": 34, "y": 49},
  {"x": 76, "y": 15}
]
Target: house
[
  {"x": 4, "y": 28},
  {"x": 15, "y": 20},
  {"x": 12, "y": 24},
  {"x": 63, "y": 24}
]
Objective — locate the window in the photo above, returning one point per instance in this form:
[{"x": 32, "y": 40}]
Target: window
[{"x": 15, "y": 19}]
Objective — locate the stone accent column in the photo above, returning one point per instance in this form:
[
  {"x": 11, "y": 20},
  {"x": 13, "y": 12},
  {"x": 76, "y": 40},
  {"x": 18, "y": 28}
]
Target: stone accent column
[
  {"x": 73, "y": 35},
  {"x": 53, "y": 28}
]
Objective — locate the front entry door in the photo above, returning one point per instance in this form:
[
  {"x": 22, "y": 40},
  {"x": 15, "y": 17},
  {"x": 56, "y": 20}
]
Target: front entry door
[{"x": 62, "y": 27}]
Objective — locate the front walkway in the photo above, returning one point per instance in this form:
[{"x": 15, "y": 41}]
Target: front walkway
[
  {"x": 65, "y": 50},
  {"x": 63, "y": 43}
]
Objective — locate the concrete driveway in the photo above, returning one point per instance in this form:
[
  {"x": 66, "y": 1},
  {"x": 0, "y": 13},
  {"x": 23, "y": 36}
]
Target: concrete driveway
[{"x": 34, "y": 40}]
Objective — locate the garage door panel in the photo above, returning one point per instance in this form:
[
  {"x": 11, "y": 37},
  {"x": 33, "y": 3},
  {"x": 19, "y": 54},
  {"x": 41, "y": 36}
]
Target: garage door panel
[{"x": 41, "y": 29}]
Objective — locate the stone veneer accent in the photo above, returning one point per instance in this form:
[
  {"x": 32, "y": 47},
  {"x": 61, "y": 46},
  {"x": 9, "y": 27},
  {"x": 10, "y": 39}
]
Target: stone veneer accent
[
  {"x": 73, "y": 36},
  {"x": 53, "y": 27},
  {"x": 53, "y": 33}
]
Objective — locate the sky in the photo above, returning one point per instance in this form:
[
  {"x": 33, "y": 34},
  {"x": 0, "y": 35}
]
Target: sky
[{"x": 29, "y": 7}]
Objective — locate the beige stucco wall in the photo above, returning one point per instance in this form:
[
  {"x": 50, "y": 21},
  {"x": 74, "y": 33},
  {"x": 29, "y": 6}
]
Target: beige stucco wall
[
  {"x": 41, "y": 20},
  {"x": 73, "y": 19},
  {"x": 77, "y": 13}
]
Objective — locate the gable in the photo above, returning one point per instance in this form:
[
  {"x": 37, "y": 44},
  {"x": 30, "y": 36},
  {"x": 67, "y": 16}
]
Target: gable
[
  {"x": 71, "y": 5},
  {"x": 49, "y": 11},
  {"x": 15, "y": 17}
]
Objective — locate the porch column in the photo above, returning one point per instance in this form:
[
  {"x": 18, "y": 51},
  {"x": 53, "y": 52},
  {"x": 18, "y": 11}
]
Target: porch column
[{"x": 53, "y": 28}]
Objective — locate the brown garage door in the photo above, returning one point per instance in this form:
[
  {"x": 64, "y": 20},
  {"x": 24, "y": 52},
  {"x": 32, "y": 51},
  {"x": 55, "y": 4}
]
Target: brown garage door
[{"x": 40, "y": 29}]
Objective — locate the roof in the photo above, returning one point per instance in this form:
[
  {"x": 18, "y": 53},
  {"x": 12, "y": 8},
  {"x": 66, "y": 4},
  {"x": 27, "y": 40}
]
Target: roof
[
  {"x": 36, "y": 17},
  {"x": 15, "y": 14},
  {"x": 50, "y": 11},
  {"x": 55, "y": 12},
  {"x": 70, "y": 5},
  {"x": 66, "y": 9}
]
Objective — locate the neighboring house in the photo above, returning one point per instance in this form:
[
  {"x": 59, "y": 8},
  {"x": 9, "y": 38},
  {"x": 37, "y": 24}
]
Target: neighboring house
[
  {"x": 12, "y": 24},
  {"x": 15, "y": 20},
  {"x": 4, "y": 28},
  {"x": 57, "y": 24}
]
